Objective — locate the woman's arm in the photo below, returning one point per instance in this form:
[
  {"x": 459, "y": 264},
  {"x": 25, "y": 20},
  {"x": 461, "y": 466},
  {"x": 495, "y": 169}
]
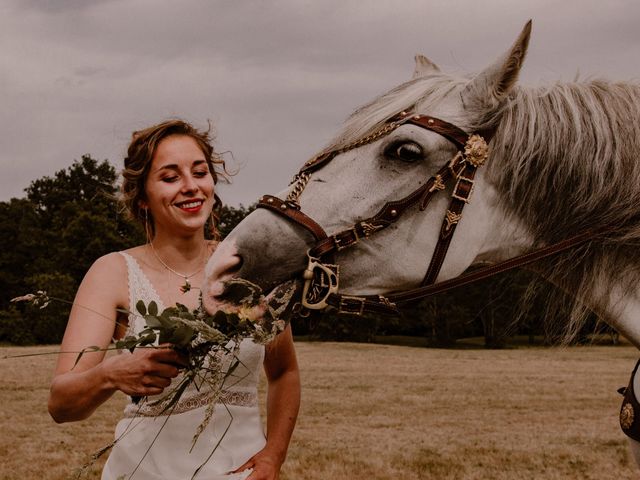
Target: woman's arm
[
  {"x": 78, "y": 389},
  {"x": 283, "y": 403}
]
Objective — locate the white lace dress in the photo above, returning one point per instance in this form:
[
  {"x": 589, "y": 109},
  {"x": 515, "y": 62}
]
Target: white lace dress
[{"x": 150, "y": 446}]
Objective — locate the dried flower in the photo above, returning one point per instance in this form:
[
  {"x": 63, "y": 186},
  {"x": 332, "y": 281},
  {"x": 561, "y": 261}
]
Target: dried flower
[{"x": 38, "y": 299}]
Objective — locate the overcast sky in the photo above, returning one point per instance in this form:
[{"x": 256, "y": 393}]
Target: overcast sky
[{"x": 277, "y": 78}]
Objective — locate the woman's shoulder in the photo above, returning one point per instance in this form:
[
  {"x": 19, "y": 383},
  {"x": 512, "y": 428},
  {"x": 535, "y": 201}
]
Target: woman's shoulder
[
  {"x": 114, "y": 264},
  {"x": 109, "y": 265},
  {"x": 107, "y": 278}
]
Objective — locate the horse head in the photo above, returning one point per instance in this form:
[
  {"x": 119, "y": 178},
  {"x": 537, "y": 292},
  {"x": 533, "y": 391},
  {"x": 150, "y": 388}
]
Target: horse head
[{"x": 362, "y": 176}]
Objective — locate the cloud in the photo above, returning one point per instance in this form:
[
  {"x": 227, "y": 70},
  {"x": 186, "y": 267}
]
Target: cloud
[{"x": 277, "y": 78}]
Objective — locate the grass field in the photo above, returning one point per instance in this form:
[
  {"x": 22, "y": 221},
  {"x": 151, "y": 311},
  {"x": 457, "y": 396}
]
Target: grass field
[{"x": 386, "y": 412}]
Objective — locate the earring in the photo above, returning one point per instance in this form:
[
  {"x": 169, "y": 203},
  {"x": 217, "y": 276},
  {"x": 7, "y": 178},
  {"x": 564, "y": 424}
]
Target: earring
[
  {"x": 147, "y": 226},
  {"x": 213, "y": 227}
]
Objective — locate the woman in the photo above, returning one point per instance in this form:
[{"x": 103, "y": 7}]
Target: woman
[{"x": 169, "y": 185}]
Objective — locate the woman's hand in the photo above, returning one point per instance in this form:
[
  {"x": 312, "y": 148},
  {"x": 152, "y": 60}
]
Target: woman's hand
[
  {"x": 265, "y": 465},
  {"x": 147, "y": 371}
]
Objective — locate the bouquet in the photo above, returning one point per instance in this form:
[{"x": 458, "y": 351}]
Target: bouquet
[{"x": 201, "y": 337}]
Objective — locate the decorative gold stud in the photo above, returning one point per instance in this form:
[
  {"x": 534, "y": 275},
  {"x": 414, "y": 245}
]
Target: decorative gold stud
[
  {"x": 431, "y": 121},
  {"x": 438, "y": 184},
  {"x": 269, "y": 200},
  {"x": 417, "y": 117},
  {"x": 393, "y": 213},
  {"x": 283, "y": 207},
  {"x": 476, "y": 150},
  {"x": 452, "y": 219},
  {"x": 626, "y": 416}
]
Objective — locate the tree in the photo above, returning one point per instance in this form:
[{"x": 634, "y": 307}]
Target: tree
[{"x": 51, "y": 238}]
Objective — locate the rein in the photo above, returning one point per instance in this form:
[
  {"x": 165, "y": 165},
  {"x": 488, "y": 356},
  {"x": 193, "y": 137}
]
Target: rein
[{"x": 321, "y": 278}]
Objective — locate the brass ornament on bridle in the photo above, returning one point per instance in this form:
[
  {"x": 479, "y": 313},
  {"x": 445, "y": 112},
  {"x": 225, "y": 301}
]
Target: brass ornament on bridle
[{"x": 476, "y": 150}]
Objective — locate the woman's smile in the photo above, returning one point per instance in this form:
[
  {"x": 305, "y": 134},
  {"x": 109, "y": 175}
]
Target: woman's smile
[{"x": 191, "y": 206}]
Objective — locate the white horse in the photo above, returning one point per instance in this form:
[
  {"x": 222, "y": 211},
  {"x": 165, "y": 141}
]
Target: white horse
[{"x": 562, "y": 160}]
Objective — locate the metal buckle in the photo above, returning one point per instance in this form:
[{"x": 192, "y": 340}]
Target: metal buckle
[
  {"x": 343, "y": 303},
  {"x": 455, "y": 189},
  {"x": 386, "y": 302},
  {"x": 342, "y": 246},
  {"x": 455, "y": 165},
  {"x": 320, "y": 281}
]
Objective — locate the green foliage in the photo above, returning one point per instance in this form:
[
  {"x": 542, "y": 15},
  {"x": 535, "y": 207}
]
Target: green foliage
[
  {"x": 15, "y": 328},
  {"x": 51, "y": 238},
  {"x": 341, "y": 328}
]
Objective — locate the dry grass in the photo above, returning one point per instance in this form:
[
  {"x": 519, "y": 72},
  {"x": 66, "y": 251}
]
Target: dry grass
[{"x": 381, "y": 412}]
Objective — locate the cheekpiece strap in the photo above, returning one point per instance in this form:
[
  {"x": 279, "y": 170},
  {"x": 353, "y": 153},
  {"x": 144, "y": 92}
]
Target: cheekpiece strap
[{"x": 292, "y": 211}]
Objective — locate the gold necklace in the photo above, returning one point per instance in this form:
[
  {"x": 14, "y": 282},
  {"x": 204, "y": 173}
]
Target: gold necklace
[{"x": 187, "y": 285}]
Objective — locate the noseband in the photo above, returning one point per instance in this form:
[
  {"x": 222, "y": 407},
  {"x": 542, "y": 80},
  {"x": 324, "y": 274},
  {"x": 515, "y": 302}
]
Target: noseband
[{"x": 321, "y": 276}]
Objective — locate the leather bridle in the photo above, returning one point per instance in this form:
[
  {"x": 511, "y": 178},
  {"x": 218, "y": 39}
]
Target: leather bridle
[{"x": 321, "y": 277}]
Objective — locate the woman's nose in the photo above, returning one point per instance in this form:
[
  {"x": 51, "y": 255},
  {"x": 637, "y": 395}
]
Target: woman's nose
[{"x": 189, "y": 185}]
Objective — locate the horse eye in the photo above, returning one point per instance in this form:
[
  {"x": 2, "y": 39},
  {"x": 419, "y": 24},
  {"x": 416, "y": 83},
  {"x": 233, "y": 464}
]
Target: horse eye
[{"x": 405, "y": 151}]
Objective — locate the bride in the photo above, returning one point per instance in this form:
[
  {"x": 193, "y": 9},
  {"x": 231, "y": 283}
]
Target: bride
[{"x": 169, "y": 186}]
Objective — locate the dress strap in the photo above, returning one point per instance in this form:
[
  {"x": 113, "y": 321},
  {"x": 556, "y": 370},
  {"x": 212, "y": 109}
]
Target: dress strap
[{"x": 140, "y": 288}]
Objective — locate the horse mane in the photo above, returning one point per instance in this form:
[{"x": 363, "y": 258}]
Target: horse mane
[{"x": 563, "y": 160}]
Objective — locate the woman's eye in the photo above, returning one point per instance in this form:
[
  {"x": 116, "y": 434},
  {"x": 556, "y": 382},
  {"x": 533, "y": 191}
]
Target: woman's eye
[
  {"x": 200, "y": 174},
  {"x": 405, "y": 151},
  {"x": 170, "y": 179}
]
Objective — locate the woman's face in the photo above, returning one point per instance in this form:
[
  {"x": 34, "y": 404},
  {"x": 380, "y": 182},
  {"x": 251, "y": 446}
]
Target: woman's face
[{"x": 179, "y": 188}]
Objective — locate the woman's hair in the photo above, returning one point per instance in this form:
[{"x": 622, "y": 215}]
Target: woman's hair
[{"x": 137, "y": 164}]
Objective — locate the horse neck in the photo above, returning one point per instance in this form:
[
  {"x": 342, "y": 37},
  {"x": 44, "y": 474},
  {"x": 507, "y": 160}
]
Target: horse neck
[
  {"x": 564, "y": 161},
  {"x": 622, "y": 311}
]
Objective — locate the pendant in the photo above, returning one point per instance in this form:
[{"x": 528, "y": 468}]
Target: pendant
[{"x": 186, "y": 287}]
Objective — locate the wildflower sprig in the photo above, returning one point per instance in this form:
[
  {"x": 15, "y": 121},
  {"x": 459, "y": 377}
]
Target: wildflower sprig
[{"x": 198, "y": 335}]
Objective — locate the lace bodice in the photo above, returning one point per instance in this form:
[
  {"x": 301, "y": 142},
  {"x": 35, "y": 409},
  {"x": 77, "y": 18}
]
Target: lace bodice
[{"x": 240, "y": 388}]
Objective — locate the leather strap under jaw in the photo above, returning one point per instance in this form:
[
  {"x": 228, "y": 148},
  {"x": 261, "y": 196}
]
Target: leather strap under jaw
[{"x": 388, "y": 303}]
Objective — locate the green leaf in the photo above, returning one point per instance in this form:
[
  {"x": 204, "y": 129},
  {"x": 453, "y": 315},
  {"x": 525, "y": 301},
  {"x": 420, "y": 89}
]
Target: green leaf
[
  {"x": 181, "y": 307},
  {"x": 153, "y": 322},
  {"x": 147, "y": 339},
  {"x": 181, "y": 335},
  {"x": 141, "y": 308},
  {"x": 153, "y": 308}
]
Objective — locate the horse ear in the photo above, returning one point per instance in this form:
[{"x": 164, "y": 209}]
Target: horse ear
[
  {"x": 490, "y": 87},
  {"x": 424, "y": 66}
]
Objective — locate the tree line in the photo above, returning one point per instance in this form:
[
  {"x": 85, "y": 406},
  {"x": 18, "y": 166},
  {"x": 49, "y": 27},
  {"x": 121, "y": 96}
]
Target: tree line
[{"x": 51, "y": 237}]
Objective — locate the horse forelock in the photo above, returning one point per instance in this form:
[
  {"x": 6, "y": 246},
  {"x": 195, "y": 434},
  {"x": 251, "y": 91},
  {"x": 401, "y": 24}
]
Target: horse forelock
[{"x": 564, "y": 159}]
